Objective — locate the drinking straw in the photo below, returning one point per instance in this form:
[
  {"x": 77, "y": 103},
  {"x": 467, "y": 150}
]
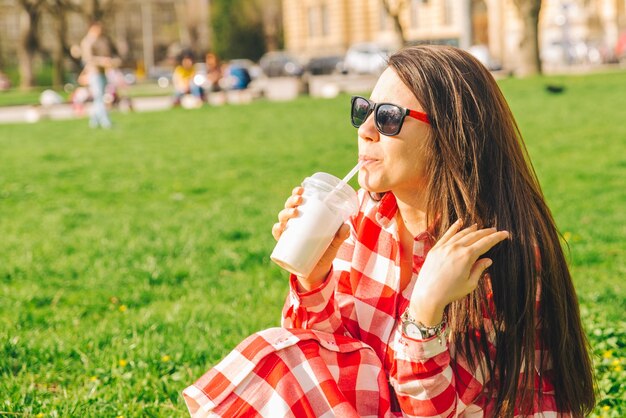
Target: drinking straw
[{"x": 345, "y": 180}]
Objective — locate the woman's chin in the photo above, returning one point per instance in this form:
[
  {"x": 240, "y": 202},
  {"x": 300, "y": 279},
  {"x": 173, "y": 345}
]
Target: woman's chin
[{"x": 368, "y": 184}]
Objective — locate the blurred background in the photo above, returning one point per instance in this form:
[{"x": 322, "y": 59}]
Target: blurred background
[{"x": 319, "y": 47}]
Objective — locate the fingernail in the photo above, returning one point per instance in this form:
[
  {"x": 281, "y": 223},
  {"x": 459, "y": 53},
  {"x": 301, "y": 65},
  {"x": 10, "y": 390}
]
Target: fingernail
[{"x": 489, "y": 263}]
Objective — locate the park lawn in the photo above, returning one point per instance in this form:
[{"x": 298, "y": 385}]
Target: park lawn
[
  {"x": 132, "y": 260},
  {"x": 15, "y": 97}
]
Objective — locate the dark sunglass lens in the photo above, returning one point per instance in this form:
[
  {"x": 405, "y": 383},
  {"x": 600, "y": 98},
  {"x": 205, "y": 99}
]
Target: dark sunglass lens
[
  {"x": 389, "y": 119},
  {"x": 360, "y": 107}
]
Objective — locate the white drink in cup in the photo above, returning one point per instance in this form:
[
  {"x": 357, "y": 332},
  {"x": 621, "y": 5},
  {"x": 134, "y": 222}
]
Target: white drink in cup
[{"x": 328, "y": 202}]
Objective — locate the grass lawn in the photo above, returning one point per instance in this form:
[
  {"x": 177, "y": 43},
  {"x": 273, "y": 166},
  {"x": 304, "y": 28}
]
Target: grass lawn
[
  {"x": 15, "y": 97},
  {"x": 133, "y": 260}
]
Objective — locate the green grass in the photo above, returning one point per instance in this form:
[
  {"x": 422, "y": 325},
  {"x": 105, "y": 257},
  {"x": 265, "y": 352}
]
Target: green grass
[
  {"x": 131, "y": 261},
  {"x": 16, "y": 97}
]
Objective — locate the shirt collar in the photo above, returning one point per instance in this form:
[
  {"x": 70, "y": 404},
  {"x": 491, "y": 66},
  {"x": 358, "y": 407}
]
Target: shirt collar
[
  {"x": 386, "y": 212},
  {"x": 387, "y": 208}
]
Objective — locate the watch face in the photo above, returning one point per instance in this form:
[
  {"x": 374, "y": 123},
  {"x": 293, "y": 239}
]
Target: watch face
[{"x": 411, "y": 330}]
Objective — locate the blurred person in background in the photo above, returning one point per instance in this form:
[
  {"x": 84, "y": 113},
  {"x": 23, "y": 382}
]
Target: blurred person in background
[
  {"x": 237, "y": 77},
  {"x": 117, "y": 90},
  {"x": 182, "y": 78},
  {"x": 213, "y": 71},
  {"x": 5, "y": 83},
  {"x": 98, "y": 56}
]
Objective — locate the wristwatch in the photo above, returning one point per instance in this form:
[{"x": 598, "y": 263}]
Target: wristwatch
[{"x": 418, "y": 331}]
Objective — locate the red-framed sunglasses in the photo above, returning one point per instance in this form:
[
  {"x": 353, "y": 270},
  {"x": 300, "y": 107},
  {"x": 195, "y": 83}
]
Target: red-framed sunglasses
[{"x": 388, "y": 117}]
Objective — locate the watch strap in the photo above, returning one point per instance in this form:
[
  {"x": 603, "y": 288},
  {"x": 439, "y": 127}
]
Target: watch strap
[{"x": 426, "y": 331}]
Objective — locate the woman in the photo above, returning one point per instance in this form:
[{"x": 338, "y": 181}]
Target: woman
[
  {"x": 213, "y": 71},
  {"x": 183, "y": 80},
  {"x": 98, "y": 56},
  {"x": 447, "y": 193}
]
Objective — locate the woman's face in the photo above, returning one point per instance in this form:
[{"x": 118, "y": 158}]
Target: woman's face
[
  {"x": 394, "y": 163},
  {"x": 187, "y": 63}
]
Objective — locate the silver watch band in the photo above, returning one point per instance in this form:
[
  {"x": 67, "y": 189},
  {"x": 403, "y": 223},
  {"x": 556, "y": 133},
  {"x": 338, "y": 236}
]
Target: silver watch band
[{"x": 425, "y": 331}]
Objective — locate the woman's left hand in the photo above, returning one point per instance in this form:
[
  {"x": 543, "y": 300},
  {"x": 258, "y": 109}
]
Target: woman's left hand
[{"x": 451, "y": 270}]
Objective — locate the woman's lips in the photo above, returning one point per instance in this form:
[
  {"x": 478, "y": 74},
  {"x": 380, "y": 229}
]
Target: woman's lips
[{"x": 367, "y": 159}]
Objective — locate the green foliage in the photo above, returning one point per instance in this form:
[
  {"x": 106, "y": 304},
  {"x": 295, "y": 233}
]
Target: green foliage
[
  {"x": 43, "y": 78},
  {"x": 237, "y": 29},
  {"x": 132, "y": 260},
  {"x": 13, "y": 73}
]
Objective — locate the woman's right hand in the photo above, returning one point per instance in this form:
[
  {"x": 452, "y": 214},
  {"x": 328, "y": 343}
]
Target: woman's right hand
[
  {"x": 322, "y": 268},
  {"x": 452, "y": 270}
]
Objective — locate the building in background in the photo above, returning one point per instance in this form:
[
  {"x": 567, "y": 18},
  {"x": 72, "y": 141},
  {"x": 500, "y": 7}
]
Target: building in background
[{"x": 571, "y": 31}]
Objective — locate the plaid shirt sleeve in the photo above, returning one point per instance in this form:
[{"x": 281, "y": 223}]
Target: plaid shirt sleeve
[
  {"x": 317, "y": 309},
  {"x": 429, "y": 381},
  {"x": 424, "y": 381}
]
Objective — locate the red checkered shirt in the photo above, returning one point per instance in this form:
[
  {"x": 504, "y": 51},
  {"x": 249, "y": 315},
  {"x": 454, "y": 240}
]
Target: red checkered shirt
[
  {"x": 341, "y": 351},
  {"x": 362, "y": 298}
]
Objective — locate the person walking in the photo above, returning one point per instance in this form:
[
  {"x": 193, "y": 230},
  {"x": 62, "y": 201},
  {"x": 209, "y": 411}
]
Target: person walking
[{"x": 98, "y": 55}]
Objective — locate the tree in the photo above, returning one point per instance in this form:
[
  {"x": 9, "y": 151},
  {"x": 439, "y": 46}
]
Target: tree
[
  {"x": 29, "y": 44},
  {"x": 394, "y": 9},
  {"x": 59, "y": 9},
  {"x": 237, "y": 29},
  {"x": 272, "y": 23},
  {"x": 98, "y": 10},
  {"x": 189, "y": 14},
  {"x": 530, "y": 62}
]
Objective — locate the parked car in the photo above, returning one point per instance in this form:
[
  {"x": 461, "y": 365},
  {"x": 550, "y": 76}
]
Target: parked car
[
  {"x": 558, "y": 52},
  {"x": 366, "y": 58},
  {"x": 280, "y": 64},
  {"x": 330, "y": 64}
]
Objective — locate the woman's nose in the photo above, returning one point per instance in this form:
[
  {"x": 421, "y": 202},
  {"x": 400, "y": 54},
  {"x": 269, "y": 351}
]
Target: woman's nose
[{"x": 367, "y": 131}]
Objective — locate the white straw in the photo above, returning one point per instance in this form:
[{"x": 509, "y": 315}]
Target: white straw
[
  {"x": 345, "y": 180},
  {"x": 351, "y": 174}
]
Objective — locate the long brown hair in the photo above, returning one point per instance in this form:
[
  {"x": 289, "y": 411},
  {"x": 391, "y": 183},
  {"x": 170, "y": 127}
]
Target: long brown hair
[{"x": 479, "y": 171}]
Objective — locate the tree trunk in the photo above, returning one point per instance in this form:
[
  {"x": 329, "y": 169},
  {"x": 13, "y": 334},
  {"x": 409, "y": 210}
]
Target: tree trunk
[
  {"x": 29, "y": 42},
  {"x": 58, "y": 55},
  {"x": 394, "y": 13},
  {"x": 530, "y": 62},
  {"x": 272, "y": 21},
  {"x": 59, "y": 10},
  {"x": 1, "y": 56},
  {"x": 99, "y": 10}
]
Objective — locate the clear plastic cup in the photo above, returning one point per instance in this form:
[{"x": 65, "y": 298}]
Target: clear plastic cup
[{"x": 323, "y": 210}]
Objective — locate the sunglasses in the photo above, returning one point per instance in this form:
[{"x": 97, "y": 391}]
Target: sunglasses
[{"x": 388, "y": 117}]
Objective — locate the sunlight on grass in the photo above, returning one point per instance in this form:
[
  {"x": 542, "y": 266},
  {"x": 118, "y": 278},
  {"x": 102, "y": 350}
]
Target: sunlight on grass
[{"x": 133, "y": 260}]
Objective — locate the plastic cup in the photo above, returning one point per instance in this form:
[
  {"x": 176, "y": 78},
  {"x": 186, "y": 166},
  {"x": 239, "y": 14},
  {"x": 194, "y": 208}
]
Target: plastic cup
[{"x": 307, "y": 236}]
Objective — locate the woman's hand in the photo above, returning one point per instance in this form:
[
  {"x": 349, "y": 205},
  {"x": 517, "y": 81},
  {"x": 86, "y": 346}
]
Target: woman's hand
[
  {"x": 322, "y": 268},
  {"x": 451, "y": 270}
]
